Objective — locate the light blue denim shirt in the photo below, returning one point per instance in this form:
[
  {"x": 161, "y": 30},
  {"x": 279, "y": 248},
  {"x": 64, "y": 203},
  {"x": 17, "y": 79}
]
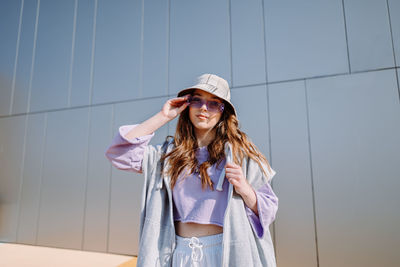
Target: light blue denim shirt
[{"x": 244, "y": 243}]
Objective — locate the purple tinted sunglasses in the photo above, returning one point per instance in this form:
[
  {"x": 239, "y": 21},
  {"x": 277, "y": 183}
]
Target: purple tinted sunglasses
[{"x": 213, "y": 106}]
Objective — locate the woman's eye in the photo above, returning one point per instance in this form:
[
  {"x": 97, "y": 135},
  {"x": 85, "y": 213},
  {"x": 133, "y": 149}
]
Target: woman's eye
[
  {"x": 196, "y": 99},
  {"x": 214, "y": 104}
]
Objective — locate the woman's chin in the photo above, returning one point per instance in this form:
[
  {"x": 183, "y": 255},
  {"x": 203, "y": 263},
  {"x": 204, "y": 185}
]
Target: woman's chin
[{"x": 202, "y": 126}]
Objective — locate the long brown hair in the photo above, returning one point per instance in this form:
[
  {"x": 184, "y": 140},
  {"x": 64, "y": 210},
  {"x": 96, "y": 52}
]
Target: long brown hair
[{"x": 227, "y": 130}]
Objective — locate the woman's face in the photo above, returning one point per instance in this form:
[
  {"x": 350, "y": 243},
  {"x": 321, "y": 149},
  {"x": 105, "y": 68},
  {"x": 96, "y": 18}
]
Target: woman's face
[{"x": 202, "y": 118}]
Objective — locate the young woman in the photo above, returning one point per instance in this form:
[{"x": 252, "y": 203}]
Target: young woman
[{"x": 207, "y": 198}]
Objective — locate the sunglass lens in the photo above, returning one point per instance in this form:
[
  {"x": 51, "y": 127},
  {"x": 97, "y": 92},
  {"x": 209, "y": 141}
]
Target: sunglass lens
[
  {"x": 214, "y": 106},
  {"x": 196, "y": 102}
]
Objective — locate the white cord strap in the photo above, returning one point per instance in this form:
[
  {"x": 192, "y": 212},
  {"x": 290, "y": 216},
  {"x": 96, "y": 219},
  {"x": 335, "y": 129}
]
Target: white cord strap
[
  {"x": 197, "y": 249},
  {"x": 229, "y": 159}
]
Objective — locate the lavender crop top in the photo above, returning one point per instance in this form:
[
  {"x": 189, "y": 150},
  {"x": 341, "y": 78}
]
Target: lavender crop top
[{"x": 191, "y": 203}]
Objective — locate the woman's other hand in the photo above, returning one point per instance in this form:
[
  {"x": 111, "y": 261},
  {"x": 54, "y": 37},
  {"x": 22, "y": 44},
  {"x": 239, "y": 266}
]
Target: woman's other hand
[
  {"x": 235, "y": 176},
  {"x": 174, "y": 106}
]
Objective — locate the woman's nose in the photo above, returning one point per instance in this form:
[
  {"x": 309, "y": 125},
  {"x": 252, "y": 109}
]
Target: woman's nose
[{"x": 204, "y": 106}]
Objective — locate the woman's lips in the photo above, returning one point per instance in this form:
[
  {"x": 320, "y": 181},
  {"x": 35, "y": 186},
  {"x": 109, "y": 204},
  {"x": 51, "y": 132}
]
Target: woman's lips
[{"x": 201, "y": 117}]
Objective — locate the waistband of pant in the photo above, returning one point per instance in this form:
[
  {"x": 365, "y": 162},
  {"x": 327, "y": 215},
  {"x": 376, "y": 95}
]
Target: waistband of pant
[{"x": 207, "y": 240}]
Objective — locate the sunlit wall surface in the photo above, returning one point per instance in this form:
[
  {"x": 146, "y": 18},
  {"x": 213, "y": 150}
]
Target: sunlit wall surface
[{"x": 315, "y": 83}]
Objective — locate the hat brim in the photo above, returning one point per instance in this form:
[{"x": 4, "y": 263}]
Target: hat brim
[{"x": 206, "y": 88}]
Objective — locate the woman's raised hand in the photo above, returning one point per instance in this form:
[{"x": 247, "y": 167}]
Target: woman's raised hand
[{"x": 174, "y": 106}]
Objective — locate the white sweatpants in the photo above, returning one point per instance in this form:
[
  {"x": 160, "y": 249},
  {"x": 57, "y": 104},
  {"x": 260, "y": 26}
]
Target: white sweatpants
[{"x": 198, "y": 251}]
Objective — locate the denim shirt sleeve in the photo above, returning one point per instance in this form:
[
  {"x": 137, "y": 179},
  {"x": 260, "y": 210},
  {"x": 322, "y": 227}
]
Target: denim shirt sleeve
[
  {"x": 267, "y": 206},
  {"x": 127, "y": 154}
]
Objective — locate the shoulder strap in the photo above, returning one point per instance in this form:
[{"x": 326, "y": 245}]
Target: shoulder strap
[{"x": 165, "y": 149}]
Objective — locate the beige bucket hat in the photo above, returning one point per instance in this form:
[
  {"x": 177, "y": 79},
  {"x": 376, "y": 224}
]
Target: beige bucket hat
[{"x": 213, "y": 84}]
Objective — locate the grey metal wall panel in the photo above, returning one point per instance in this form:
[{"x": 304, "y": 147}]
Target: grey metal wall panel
[
  {"x": 64, "y": 179},
  {"x": 117, "y": 52},
  {"x": 155, "y": 48},
  {"x": 126, "y": 187},
  {"x": 11, "y": 156},
  {"x": 355, "y": 130},
  {"x": 368, "y": 34},
  {"x": 199, "y": 41},
  {"x": 80, "y": 79},
  {"x": 394, "y": 9},
  {"x": 57, "y": 185},
  {"x": 248, "y": 54},
  {"x": 251, "y": 105},
  {"x": 304, "y": 39},
  {"x": 52, "y": 55},
  {"x": 31, "y": 179},
  {"x": 172, "y": 126},
  {"x": 98, "y": 188},
  {"x": 294, "y": 223},
  {"x": 24, "y": 61},
  {"x": 9, "y": 23}
]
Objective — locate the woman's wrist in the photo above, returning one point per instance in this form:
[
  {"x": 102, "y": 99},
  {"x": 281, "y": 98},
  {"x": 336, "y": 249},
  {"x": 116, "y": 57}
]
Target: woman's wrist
[
  {"x": 147, "y": 127},
  {"x": 250, "y": 199},
  {"x": 163, "y": 118}
]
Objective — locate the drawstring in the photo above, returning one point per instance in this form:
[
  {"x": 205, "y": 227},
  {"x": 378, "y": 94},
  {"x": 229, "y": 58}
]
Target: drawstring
[
  {"x": 166, "y": 149},
  {"x": 229, "y": 158},
  {"x": 196, "y": 246}
]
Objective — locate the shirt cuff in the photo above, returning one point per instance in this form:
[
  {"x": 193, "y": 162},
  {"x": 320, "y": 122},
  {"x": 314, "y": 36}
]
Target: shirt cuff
[
  {"x": 255, "y": 220},
  {"x": 267, "y": 206},
  {"x": 124, "y": 129},
  {"x": 127, "y": 154}
]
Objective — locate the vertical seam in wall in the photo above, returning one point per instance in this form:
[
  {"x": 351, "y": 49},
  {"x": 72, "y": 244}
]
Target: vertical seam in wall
[
  {"x": 21, "y": 11},
  {"x": 93, "y": 53},
  {"x": 10, "y": 111},
  {"x": 168, "y": 43},
  {"x": 41, "y": 175},
  {"x": 71, "y": 64},
  {"x": 311, "y": 172},
  {"x": 264, "y": 27},
  {"x": 394, "y": 52},
  {"x": 168, "y": 31},
  {"x": 345, "y": 33},
  {"x": 397, "y": 80},
  {"x": 28, "y": 106},
  {"x": 391, "y": 33},
  {"x": 87, "y": 178},
  {"x": 21, "y": 177},
  {"x": 230, "y": 40},
  {"x": 110, "y": 184},
  {"x": 266, "y": 79},
  {"x": 141, "y": 72}
]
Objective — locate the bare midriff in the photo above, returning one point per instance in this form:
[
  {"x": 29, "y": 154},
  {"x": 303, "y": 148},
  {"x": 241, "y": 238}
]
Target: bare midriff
[{"x": 190, "y": 229}]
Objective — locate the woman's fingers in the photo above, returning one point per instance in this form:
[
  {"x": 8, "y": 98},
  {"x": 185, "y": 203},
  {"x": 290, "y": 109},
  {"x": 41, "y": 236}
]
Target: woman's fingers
[
  {"x": 181, "y": 108},
  {"x": 234, "y": 175},
  {"x": 182, "y": 98},
  {"x": 233, "y": 182},
  {"x": 178, "y": 101},
  {"x": 232, "y": 165},
  {"x": 174, "y": 106},
  {"x": 233, "y": 170}
]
